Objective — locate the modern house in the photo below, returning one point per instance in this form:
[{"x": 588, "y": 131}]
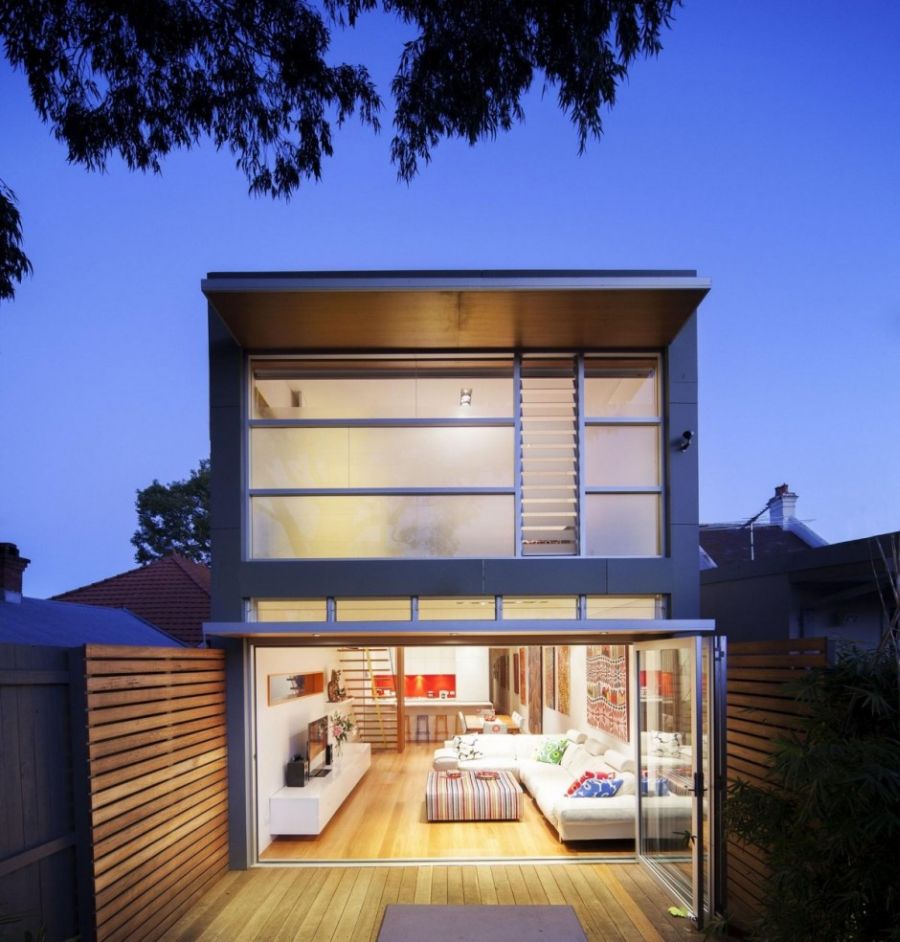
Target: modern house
[
  {"x": 171, "y": 592},
  {"x": 774, "y": 577},
  {"x": 465, "y": 489}
]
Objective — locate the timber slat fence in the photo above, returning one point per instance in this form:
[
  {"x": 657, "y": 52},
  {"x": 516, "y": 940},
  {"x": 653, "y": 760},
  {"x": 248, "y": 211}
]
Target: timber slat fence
[
  {"x": 156, "y": 744},
  {"x": 760, "y": 711}
]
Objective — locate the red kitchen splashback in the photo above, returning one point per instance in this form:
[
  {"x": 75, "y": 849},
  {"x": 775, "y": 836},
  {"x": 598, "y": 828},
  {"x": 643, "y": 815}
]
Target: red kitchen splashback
[{"x": 417, "y": 685}]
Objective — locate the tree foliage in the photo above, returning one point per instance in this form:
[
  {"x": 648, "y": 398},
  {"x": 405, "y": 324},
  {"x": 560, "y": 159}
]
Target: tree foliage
[
  {"x": 141, "y": 79},
  {"x": 14, "y": 264},
  {"x": 174, "y": 518},
  {"x": 831, "y": 825}
]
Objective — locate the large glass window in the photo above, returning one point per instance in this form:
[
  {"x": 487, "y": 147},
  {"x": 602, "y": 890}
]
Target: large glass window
[
  {"x": 475, "y": 456},
  {"x": 622, "y": 463}
]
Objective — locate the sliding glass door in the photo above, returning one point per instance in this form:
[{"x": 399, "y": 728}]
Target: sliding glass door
[{"x": 676, "y": 747}]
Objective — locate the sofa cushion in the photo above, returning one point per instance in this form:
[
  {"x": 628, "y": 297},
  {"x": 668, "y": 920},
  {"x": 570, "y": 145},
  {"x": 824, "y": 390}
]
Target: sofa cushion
[
  {"x": 594, "y": 747},
  {"x": 595, "y": 788},
  {"x": 665, "y": 744},
  {"x": 445, "y": 759},
  {"x": 618, "y": 760},
  {"x": 577, "y": 810},
  {"x": 467, "y": 747},
  {"x": 574, "y": 736},
  {"x": 572, "y": 755},
  {"x": 552, "y": 751}
]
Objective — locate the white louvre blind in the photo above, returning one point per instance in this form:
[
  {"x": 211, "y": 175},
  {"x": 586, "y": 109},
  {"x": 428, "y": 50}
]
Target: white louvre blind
[{"x": 549, "y": 484}]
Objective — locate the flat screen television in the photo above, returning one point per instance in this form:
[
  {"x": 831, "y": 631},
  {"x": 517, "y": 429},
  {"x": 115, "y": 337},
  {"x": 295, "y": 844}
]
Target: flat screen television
[{"x": 316, "y": 741}]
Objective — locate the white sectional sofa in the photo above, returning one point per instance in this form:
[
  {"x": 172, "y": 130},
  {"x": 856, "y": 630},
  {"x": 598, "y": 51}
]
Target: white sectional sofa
[{"x": 575, "y": 819}]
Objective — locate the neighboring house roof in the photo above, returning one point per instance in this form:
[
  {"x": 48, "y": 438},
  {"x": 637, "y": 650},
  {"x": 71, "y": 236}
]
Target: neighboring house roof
[
  {"x": 172, "y": 593},
  {"x": 63, "y": 624},
  {"x": 726, "y": 544}
]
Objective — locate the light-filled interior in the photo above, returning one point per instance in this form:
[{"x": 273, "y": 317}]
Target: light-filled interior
[{"x": 417, "y": 457}]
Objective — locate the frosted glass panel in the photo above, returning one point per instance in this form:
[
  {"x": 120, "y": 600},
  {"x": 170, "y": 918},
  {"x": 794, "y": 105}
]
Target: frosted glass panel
[
  {"x": 616, "y": 388},
  {"x": 532, "y": 607},
  {"x": 290, "y": 609},
  {"x": 622, "y": 524},
  {"x": 381, "y": 457},
  {"x": 480, "y": 609},
  {"x": 622, "y": 456},
  {"x": 381, "y": 526},
  {"x": 618, "y": 606},
  {"x": 414, "y": 389},
  {"x": 372, "y": 609}
]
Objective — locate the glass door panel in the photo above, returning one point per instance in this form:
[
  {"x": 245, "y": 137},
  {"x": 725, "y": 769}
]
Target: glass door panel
[{"x": 673, "y": 744}]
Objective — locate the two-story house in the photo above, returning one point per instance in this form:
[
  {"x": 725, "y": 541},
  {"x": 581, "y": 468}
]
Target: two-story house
[{"x": 492, "y": 477}]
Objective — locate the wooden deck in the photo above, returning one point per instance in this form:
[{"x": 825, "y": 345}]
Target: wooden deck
[{"x": 615, "y": 902}]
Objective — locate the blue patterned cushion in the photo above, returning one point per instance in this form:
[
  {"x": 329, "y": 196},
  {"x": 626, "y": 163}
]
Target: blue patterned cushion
[{"x": 597, "y": 788}]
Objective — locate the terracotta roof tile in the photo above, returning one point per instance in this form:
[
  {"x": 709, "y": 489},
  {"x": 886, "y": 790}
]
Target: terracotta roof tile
[
  {"x": 727, "y": 545},
  {"x": 172, "y": 593}
]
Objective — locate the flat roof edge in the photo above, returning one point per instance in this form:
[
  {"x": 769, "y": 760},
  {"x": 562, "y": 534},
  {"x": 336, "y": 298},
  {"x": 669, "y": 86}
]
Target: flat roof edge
[
  {"x": 460, "y": 629},
  {"x": 587, "y": 280}
]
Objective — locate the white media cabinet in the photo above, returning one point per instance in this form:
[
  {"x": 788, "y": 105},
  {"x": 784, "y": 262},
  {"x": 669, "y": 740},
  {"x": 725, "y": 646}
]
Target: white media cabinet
[{"x": 307, "y": 810}]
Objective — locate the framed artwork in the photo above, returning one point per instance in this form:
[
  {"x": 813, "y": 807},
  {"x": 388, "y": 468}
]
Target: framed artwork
[
  {"x": 607, "y": 689},
  {"x": 563, "y": 685},
  {"x": 535, "y": 711},
  {"x": 523, "y": 670},
  {"x": 549, "y": 658},
  {"x": 515, "y": 672}
]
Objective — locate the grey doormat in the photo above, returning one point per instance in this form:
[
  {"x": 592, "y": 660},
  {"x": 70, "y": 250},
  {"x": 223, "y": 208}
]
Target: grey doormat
[{"x": 414, "y": 923}]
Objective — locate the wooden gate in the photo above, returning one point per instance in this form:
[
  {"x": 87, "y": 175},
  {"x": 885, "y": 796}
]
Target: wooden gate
[
  {"x": 156, "y": 746},
  {"x": 760, "y": 711}
]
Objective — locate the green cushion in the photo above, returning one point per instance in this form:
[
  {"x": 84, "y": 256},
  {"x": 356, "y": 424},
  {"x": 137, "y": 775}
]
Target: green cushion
[{"x": 552, "y": 751}]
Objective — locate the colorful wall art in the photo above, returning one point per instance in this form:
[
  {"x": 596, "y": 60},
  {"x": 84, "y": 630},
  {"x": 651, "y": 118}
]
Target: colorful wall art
[
  {"x": 607, "y": 689},
  {"x": 563, "y": 685},
  {"x": 535, "y": 713},
  {"x": 549, "y": 658}
]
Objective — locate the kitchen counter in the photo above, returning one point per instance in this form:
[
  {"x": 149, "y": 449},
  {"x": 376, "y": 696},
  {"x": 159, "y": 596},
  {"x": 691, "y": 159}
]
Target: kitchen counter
[{"x": 451, "y": 703}]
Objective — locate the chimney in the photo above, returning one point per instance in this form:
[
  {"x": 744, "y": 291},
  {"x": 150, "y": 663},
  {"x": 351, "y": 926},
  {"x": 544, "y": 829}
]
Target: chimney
[
  {"x": 782, "y": 506},
  {"x": 12, "y": 565}
]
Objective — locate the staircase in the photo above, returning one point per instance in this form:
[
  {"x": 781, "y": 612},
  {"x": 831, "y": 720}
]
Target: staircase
[{"x": 376, "y": 721}]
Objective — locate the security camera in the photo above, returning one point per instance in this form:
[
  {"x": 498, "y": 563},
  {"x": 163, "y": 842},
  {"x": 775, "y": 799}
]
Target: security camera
[{"x": 686, "y": 438}]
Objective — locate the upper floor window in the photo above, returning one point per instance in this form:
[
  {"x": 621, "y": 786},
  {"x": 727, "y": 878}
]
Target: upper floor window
[{"x": 473, "y": 456}]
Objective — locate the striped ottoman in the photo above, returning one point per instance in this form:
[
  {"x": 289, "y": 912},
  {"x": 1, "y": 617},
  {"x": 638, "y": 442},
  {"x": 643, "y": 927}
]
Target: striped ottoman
[{"x": 472, "y": 797}]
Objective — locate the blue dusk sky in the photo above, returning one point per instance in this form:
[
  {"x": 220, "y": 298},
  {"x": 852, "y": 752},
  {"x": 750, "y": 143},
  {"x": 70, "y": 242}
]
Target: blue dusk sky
[{"x": 762, "y": 148}]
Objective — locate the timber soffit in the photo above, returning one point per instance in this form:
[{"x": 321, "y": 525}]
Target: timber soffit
[{"x": 432, "y": 310}]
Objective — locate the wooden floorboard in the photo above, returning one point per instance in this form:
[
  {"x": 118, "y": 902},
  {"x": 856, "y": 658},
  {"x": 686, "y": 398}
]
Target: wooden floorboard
[
  {"x": 615, "y": 902},
  {"x": 384, "y": 819}
]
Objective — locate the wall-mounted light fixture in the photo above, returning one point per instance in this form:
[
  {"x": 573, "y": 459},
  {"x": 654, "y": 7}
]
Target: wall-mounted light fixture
[
  {"x": 465, "y": 397},
  {"x": 685, "y": 441}
]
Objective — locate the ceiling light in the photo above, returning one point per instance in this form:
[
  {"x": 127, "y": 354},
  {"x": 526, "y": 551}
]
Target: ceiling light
[{"x": 465, "y": 397}]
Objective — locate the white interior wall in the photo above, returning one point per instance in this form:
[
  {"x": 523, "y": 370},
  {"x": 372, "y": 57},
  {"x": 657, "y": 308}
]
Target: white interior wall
[
  {"x": 281, "y": 728},
  {"x": 472, "y": 674}
]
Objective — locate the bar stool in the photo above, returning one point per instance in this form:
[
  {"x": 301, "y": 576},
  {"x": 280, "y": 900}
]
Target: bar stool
[
  {"x": 407, "y": 736},
  {"x": 440, "y": 727},
  {"x": 422, "y": 726}
]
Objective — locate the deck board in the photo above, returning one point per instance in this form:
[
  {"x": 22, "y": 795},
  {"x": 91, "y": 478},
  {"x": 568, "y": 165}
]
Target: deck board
[{"x": 615, "y": 901}]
